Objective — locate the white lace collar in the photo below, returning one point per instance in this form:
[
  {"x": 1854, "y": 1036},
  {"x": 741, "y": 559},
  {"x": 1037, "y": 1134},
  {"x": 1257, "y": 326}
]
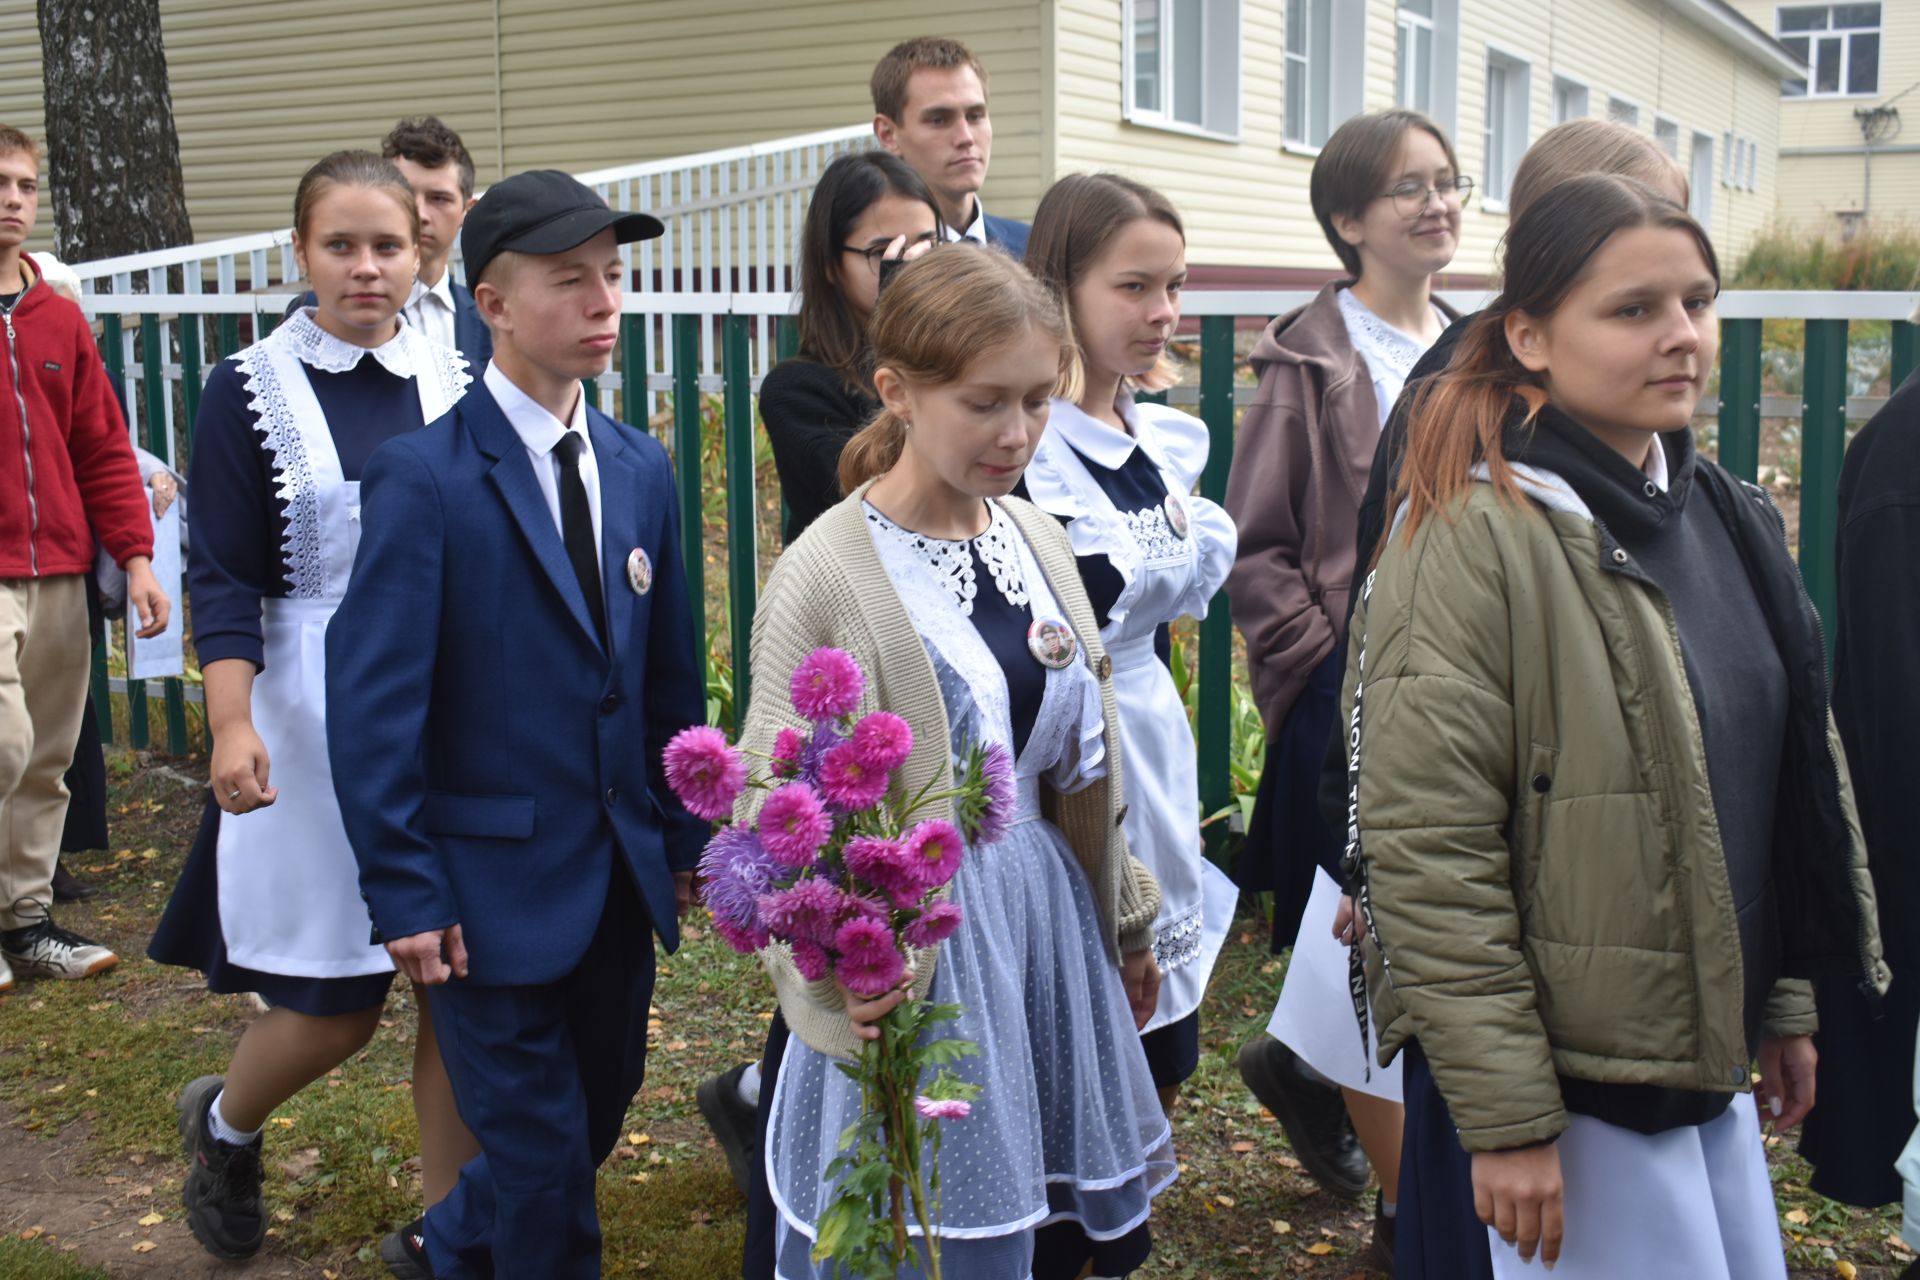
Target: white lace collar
[
  {"x": 1384, "y": 347},
  {"x": 951, "y": 559},
  {"x": 321, "y": 350}
]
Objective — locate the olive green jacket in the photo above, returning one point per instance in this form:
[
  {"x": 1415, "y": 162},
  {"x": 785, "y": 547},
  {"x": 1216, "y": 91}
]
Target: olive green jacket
[{"x": 1537, "y": 844}]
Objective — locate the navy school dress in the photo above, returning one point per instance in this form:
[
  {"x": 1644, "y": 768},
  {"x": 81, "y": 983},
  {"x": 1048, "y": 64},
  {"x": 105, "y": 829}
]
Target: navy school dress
[{"x": 240, "y": 526}]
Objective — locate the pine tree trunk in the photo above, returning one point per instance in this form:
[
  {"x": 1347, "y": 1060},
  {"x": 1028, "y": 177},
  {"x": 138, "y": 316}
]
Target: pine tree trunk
[{"x": 113, "y": 155}]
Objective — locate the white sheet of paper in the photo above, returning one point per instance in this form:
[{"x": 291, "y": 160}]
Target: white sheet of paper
[{"x": 163, "y": 655}]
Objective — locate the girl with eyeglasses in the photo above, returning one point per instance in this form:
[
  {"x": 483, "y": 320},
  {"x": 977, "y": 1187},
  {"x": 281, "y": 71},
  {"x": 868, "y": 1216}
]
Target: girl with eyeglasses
[
  {"x": 1388, "y": 194},
  {"x": 867, "y": 207}
]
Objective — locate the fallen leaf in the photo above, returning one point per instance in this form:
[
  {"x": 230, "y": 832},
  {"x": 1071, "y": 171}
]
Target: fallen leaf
[
  {"x": 1242, "y": 1147},
  {"x": 285, "y": 1122},
  {"x": 1226, "y": 1202},
  {"x": 1320, "y": 1250},
  {"x": 639, "y": 1139},
  {"x": 136, "y": 1158},
  {"x": 145, "y": 1246},
  {"x": 33, "y": 1233},
  {"x": 1845, "y": 1269},
  {"x": 676, "y": 1045},
  {"x": 1798, "y": 1217},
  {"x": 1288, "y": 1162},
  {"x": 1282, "y": 1227},
  {"x": 283, "y": 1215},
  {"x": 152, "y": 1220}
]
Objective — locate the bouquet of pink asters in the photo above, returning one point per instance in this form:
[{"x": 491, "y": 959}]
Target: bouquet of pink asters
[{"x": 836, "y": 867}]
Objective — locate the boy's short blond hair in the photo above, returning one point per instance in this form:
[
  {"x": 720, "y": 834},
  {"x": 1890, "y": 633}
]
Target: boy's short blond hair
[{"x": 12, "y": 140}]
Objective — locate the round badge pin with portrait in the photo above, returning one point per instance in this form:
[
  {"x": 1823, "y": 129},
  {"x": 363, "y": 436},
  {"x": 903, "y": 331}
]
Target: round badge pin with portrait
[
  {"x": 639, "y": 571},
  {"x": 1177, "y": 518},
  {"x": 1052, "y": 643}
]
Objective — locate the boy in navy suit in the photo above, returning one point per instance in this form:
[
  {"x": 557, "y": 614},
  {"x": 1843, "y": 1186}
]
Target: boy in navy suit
[
  {"x": 513, "y": 653},
  {"x": 930, "y": 109}
]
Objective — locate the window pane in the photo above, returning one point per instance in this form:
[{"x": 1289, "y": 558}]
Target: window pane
[
  {"x": 1403, "y": 66},
  {"x": 1496, "y": 131},
  {"x": 1797, "y": 46},
  {"x": 1856, "y": 15},
  {"x": 1320, "y": 53},
  {"x": 1810, "y": 18},
  {"x": 1622, "y": 112},
  {"x": 1188, "y": 65},
  {"x": 1146, "y": 55},
  {"x": 1863, "y": 63},
  {"x": 1701, "y": 202},
  {"x": 1826, "y": 69},
  {"x": 1422, "y": 7},
  {"x": 1668, "y": 135}
]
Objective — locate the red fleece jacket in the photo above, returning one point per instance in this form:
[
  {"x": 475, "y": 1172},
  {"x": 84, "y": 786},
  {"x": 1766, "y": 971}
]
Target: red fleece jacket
[{"x": 67, "y": 471}]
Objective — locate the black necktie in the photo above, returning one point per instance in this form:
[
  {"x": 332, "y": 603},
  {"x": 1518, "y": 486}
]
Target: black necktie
[{"x": 576, "y": 527}]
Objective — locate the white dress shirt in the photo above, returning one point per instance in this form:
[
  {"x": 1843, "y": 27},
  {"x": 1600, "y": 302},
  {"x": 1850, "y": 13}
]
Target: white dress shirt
[
  {"x": 975, "y": 230},
  {"x": 430, "y": 310},
  {"x": 540, "y": 431}
]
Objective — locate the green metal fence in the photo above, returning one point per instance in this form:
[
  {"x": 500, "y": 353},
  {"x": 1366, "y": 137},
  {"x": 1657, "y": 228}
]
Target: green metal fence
[{"x": 688, "y": 347}]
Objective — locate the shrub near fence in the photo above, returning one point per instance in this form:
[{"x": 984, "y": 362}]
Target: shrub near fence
[{"x": 685, "y": 348}]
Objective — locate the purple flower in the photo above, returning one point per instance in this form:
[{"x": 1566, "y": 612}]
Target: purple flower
[
  {"x": 996, "y": 814},
  {"x": 883, "y": 741},
  {"x": 826, "y": 685},
  {"x": 811, "y": 959},
  {"x": 735, "y": 871},
  {"x": 849, "y": 782},
  {"x": 706, "y": 773},
  {"x": 793, "y": 825},
  {"x": 886, "y": 865},
  {"x": 870, "y": 965},
  {"x": 814, "y": 751},
  {"x": 933, "y": 926},
  {"x": 787, "y": 746},
  {"x": 942, "y": 1108},
  {"x": 935, "y": 848},
  {"x": 810, "y": 910}
]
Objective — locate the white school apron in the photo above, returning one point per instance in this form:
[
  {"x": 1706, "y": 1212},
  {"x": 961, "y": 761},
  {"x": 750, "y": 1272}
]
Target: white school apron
[
  {"x": 289, "y": 885},
  {"x": 1167, "y": 574}
]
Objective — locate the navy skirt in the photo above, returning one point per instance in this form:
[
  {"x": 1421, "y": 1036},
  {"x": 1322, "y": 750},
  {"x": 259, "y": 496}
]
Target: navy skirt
[
  {"x": 1865, "y": 1086},
  {"x": 1288, "y": 835},
  {"x": 1173, "y": 1052},
  {"x": 189, "y": 936},
  {"x": 1438, "y": 1235}
]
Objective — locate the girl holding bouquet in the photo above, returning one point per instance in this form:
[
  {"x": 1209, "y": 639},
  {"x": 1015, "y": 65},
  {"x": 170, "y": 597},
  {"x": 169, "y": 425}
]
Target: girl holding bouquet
[
  {"x": 964, "y": 609},
  {"x": 1119, "y": 476}
]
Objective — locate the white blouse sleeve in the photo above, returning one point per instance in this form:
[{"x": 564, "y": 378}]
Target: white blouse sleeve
[
  {"x": 1180, "y": 443},
  {"x": 1084, "y": 759}
]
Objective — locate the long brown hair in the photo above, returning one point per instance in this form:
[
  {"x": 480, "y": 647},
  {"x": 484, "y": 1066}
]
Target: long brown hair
[
  {"x": 1077, "y": 218},
  {"x": 1355, "y": 167},
  {"x": 829, "y": 330},
  {"x": 352, "y": 169},
  {"x": 1460, "y": 417},
  {"x": 937, "y": 316}
]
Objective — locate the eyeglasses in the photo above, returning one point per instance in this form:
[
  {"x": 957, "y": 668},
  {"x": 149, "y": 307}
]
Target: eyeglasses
[
  {"x": 1410, "y": 197},
  {"x": 874, "y": 253}
]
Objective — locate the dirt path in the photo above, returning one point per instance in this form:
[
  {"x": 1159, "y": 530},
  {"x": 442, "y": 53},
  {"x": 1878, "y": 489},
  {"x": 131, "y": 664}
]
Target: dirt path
[{"x": 47, "y": 1191}]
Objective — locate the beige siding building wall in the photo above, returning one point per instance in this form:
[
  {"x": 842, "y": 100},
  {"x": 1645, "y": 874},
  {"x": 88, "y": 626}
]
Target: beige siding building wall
[
  {"x": 1823, "y": 162},
  {"x": 262, "y": 88}
]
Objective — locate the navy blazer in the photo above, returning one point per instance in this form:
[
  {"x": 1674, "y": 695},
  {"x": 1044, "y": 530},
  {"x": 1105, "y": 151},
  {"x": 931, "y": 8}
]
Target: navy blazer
[
  {"x": 1008, "y": 235},
  {"x": 471, "y": 337},
  {"x": 491, "y": 756}
]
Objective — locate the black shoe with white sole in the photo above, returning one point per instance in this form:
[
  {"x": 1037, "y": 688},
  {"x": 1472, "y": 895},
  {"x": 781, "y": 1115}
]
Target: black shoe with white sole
[
  {"x": 405, "y": 1252},
  {"x": 45, "y": 950}
]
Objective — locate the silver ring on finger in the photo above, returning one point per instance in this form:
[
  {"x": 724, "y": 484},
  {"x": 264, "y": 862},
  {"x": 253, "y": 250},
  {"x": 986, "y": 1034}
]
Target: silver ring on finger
[{"x": 234, "y": 794}]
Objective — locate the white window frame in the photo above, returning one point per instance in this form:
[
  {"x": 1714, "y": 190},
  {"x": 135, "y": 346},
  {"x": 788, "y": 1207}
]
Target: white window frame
[
  {"x": 1700, "y": 205},
  {"x": 1516, "y": 122},
  {"x": 1405, "y": 23},
  {"x": 1728, "y": 141},
  {"x": 1661, "y": 121},
  {"x": 1344, "y": 83},
  {"x": 1845, "y": 34},
  {"x": 1632, "y": 110},
  {"x": 1220, "y": 61},
  {"x": 1571, "y": 87},
  {"x": 1753, "y": 165}
]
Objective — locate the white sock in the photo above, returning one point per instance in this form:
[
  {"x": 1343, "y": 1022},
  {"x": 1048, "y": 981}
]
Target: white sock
[
  {"x": 1389, "y": 1208},
  {"x": 224, "y": 1131},
  {"x": 749, "y": 1086}
]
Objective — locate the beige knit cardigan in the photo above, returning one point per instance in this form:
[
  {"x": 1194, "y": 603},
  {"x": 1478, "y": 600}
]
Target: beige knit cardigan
[{"x": 830, "y": 588}]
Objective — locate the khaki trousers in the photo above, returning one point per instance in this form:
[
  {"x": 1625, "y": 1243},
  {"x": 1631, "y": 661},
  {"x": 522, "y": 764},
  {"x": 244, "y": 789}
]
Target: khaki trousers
[{"x": 45, "y": 654}]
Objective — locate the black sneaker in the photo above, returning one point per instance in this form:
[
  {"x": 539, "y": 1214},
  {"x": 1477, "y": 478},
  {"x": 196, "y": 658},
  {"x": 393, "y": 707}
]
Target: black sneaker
[
  {"x": 405, "y": 1252},
  {"x": 733, "y": 1122},
  {"x": 1312, "y": 1113},
  {"x": 1380, "y": 1248},
  {"x": 46, "y": 950},
  {"x": 225, "y": 1209}
]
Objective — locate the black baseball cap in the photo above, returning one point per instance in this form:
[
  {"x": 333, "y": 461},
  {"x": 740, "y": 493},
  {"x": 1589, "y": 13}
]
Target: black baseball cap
[{"x": 543, "y": 211}]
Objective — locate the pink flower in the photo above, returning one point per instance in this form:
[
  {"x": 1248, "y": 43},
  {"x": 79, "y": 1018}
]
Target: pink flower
[
  {"x": 787, "y": 746},
  {"x": 933, "y": 926},
  {"x": 996, "y": 814},
  {"x": 849, "y": 782},
  {"x": 826, "y": 685},
  {"x": 935, "y": 848},
  {"x": 793, "y": 825},
  {"x": 886, "y": 865},
  {"x": 870, "y": 965},
  {"x": 883, "y": 741},
  {"x": 746, "y": 939},
  {"x": 942, "y": 1108},
  {"x": 810, "y": 910},
  {"x": 706, "y": 773},
  {"x": 811, "y": 959}
]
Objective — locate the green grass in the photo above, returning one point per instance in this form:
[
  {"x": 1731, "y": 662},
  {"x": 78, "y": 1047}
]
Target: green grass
[{"x": 33, "y": 1260}]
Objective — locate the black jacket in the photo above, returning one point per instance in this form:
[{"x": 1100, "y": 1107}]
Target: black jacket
[{"x": 809, "y": 414}]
